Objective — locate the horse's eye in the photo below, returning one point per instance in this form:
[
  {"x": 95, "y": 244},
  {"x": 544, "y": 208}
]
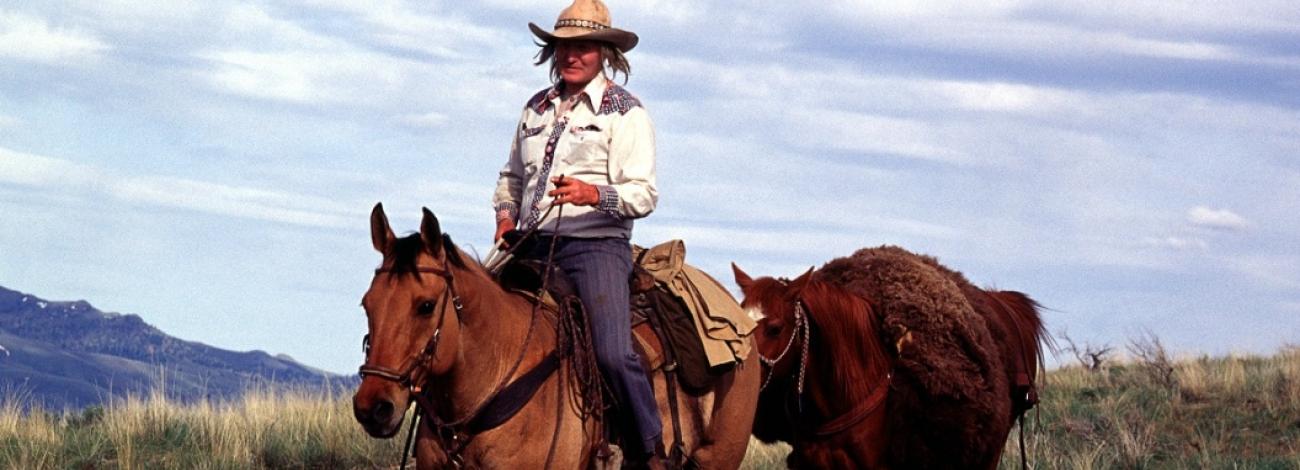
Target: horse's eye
[
  {"x": 772, "y": 330},
  {"x": 425, "y": 308}
]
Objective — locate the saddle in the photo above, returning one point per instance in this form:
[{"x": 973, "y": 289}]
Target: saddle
[
  {"x": 663, "y": 330},
  {"x": 668, "y": 331}
]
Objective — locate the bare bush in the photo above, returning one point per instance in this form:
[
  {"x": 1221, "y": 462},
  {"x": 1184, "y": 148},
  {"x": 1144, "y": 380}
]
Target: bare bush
[
  {"x": 1090, "y": 357},
  {"x": 1152, "y": 357}
]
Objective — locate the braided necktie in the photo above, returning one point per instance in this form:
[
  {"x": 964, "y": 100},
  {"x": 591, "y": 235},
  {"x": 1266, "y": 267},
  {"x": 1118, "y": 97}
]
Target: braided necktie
[{"x": 561, "y": 121}]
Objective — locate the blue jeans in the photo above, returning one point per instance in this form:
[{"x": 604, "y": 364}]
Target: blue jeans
[{"x": 599, "y": 269}]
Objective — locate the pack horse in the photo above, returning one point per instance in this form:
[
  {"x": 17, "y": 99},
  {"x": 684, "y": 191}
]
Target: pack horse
[{"x": 887, "y": 359}]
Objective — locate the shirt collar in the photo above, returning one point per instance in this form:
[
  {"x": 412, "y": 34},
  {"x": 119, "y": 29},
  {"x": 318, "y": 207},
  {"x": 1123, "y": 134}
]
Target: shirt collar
[{"x": 594, "y": 88}]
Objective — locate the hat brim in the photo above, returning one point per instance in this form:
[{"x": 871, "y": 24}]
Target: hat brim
[{"x": 623, "y": 40}]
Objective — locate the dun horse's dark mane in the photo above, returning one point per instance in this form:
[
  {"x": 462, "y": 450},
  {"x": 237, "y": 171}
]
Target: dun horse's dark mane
[
  {"x": 848, "y": 328},
  {"x": 406, "y": 254}
]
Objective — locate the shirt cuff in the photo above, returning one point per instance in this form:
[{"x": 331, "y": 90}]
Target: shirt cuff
[
  {"x": 608, "y": 200},
  {"x": 507, "y": 210}
]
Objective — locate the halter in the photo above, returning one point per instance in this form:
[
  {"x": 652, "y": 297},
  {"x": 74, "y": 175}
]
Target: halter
[
  {"x": 406, "y": 376},
  {"x": 840, "y": 423},
  {"x": 800, "y": 323}
]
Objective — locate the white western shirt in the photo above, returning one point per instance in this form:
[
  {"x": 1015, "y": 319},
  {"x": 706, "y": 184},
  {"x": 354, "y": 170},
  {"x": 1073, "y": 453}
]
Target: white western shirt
[{"x": 606, "y": 140}]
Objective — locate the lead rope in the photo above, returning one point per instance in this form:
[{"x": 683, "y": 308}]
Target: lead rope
[
  {"x": 407, "y": 449},
  {"x": 546, "y": 278},
  {"x": 1024, "y": 463}
]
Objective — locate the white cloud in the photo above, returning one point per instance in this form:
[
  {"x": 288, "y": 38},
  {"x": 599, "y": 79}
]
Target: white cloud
[
  {"x": 1078, "y": 31},
  {"x": 243, "y": 202},
  {"x": 9, "y": 121},
  {"x": 432, "y": 120},
  {"x": 1222, "y": 219},
  {"x": 928, "y": 9},
  {"x": 859, "y": 132},
  {"x": 1176, "y": 243},
  {"x": 421, "y": 27},
  {"x": 283, "y": 61},
  {"x": 255, "y": 27},
  {"x": 29, "y": 38},
  {"x": 1280, "y": 271},
  {"x": 1275, "y": 16},
  {"x": 142, "y": 14},
  {"x": 302, "y": 76},
  {"x": 996, "y": 96},
  {"x": 1170, "y": 49},
  {"x": 62, "y": 176},
  {"x": 34, "y": 170}
]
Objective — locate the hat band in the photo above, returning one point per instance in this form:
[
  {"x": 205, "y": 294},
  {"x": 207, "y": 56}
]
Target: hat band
[{"x": 578, "y": 23}]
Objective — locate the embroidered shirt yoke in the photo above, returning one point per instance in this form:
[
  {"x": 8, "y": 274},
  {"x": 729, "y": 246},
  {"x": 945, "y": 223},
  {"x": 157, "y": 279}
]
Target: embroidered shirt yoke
[{"x": 605, "y": 139}]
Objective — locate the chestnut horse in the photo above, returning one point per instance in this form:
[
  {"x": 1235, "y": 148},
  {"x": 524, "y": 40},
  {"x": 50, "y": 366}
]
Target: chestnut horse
[
  {"x": 887, "y": 359},
  {"x": 443, "y": 333}
]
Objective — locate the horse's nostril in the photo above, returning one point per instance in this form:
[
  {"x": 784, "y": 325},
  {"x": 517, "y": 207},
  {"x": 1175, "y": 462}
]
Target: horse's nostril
[{"x": 382, "y": 411}]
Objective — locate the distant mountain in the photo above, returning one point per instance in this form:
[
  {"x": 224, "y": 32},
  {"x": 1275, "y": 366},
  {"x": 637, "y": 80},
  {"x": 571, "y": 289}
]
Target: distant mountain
[{"x": 69, "y": 354}]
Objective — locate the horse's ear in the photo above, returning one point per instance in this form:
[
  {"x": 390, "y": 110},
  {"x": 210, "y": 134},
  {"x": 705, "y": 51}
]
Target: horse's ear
[
  {"x": 743, "y": 280},
  {"x": 381, "y": 235},
  {"x": 800, "y": 282},
  {"x": 430, "y": 232}
]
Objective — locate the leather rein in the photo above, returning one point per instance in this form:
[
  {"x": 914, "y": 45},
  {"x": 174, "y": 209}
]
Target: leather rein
[
  {"x": 506, "y": 399},
  {"x": 845, "y": 420}
]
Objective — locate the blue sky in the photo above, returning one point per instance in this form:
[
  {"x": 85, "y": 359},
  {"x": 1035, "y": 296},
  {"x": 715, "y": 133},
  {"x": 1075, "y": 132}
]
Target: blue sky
[{"x": 211, "y": 165}]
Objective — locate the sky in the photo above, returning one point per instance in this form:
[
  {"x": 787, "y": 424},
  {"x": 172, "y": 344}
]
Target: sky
[{"x": 211, "y": 166}]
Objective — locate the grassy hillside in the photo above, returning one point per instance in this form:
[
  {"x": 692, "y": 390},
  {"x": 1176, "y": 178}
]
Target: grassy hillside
[{"x": 1234, "y": 412}]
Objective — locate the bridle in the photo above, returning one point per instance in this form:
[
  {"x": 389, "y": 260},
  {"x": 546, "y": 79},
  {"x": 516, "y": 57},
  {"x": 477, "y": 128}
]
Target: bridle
[{"x": 406, "y": 376}]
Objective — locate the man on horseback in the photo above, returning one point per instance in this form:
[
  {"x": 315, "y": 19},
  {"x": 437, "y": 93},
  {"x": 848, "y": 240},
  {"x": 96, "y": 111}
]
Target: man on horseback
[{"x": 588, "y": 143}]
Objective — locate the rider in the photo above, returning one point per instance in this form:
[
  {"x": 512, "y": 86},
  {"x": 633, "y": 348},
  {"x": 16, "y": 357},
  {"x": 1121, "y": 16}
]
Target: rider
[{"x": 588, "y": 143}]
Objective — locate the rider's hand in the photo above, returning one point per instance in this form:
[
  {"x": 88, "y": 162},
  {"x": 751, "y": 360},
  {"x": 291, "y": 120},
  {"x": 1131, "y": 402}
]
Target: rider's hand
[
  {"x": 503, "y": 226},
  {"x": 573, "y": 191}
]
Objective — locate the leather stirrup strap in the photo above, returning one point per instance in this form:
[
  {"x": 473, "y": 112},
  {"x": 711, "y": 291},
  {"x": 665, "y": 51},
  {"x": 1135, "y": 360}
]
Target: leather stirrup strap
[{"x": 677, "y": 454}]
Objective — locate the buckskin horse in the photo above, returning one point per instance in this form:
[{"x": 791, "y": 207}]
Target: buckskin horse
[
  {"x": 887, "y": 359},
  {"x": 487, "y": 367}
]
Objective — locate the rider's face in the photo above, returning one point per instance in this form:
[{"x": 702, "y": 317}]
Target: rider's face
[{"x": 578, "y": 61}]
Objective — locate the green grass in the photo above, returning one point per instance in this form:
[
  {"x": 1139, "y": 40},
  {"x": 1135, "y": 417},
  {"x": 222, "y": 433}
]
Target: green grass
[{"x": 1231, "y": 412}]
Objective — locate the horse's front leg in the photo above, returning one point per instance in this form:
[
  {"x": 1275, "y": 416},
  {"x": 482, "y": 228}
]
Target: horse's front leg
[{"x": 428, "y": 452}]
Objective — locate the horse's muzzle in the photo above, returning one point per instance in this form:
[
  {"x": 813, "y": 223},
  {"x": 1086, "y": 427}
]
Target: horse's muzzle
[{"x": 378, "y": 410}]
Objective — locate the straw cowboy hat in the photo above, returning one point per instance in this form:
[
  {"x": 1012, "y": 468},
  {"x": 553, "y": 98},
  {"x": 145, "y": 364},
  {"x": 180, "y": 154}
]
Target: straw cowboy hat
[{"x": 587, "y": 20}]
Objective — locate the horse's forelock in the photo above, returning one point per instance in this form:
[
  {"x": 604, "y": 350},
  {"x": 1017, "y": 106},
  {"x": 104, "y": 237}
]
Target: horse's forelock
[
  {"x": 405, "y": 254},
  {"x": 765, "y": 293}
]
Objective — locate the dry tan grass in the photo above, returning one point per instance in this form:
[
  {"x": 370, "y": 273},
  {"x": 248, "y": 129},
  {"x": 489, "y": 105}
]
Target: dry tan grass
[
  {"x": 1223, "y": 412},
  {"x": 264, "y": 429}
]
